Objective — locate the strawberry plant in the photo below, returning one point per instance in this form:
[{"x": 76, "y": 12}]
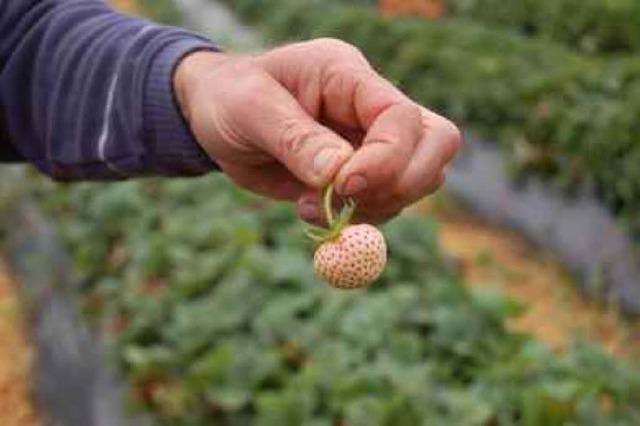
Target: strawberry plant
[
  {"x": 217, "y": 318},
  {"x": 590, "y": 26},
  {"x": 213, "y": 312},
  {"x": 593, "y": 27}
]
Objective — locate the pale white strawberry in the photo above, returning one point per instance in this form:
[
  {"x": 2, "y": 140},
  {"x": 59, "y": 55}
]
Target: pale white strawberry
[
  {"x": 347, "y": 256},
  {"x": 353, "y": 259}
]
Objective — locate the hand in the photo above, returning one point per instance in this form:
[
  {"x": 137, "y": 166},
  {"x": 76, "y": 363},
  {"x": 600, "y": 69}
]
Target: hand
[{"x": 288, "y": 122}]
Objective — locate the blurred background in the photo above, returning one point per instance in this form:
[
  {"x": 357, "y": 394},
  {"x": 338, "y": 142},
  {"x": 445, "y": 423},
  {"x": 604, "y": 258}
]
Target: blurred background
[{"x": 511, "y": 296}]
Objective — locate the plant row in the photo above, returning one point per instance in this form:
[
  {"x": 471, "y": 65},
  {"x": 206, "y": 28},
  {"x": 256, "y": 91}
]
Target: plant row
[
  {"x": 163, "y": 11},
  {"x": 215, "y": 317},
  {"x": 591, "y": 26},
  {"x": 566, "y": 117}
]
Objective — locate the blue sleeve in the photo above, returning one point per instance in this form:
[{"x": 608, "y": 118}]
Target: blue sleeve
[{"x": 86, "y": 92}]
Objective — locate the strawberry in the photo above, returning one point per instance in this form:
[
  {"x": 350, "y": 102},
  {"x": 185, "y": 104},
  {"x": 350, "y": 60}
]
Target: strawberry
[
  {"x": 349, "y": 256},
  {"x": 354, "y": 259}
]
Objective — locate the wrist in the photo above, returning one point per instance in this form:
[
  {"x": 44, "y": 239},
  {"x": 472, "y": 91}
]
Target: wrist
[
  {"x": 170, "y": 146},
  {"x": 189, "y": 73}
]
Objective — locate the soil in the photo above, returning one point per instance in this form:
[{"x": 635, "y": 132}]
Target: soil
[
  {"x": 430, "y": 9},
  {"x": 488, "y": 256},
  {"x": 16, "y": 406},
  {"x": 558, "y": 314}
]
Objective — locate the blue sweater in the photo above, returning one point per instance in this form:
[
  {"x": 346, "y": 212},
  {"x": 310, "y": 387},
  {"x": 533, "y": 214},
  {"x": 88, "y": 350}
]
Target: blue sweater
[{"x": 86, "y": 92}]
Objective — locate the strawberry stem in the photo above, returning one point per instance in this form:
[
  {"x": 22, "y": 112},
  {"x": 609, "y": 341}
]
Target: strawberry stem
[
  {"x": 314, "y": 236},
  {"x": 335, "y": 224},
  {"x": 328, "y": 207}
]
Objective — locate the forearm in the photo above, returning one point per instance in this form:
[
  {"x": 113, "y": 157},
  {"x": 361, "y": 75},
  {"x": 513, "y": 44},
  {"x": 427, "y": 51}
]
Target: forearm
[{"x": 87, "y": 93}]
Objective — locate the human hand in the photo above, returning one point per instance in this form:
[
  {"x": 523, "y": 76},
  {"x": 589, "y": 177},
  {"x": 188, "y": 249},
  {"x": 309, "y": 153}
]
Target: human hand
[{"x": 290, "y": 121}]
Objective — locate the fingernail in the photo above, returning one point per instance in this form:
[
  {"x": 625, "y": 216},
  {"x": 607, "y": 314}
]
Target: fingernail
[
  {"x": 355, "y": 184},
  {"x": 323, "y": 160}
]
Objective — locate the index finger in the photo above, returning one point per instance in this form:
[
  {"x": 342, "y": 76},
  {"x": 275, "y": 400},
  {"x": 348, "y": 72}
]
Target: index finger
[{"x": 386, "y": 152}]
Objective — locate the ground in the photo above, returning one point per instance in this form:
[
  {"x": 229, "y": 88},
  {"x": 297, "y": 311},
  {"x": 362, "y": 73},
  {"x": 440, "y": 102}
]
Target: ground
[
  {"x": 16, "y": 408},
  {"x": 487, "y": 255},
  {"x": 490, "y": 256}
]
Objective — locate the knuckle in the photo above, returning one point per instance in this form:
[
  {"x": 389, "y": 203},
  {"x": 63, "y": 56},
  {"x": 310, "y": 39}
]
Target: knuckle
[
  {"x": 337, "y": 45},
  {"x": 293, "y": 137},
  {"x": 413, "y": 122},
  {"x": 387, "y": 172},
  {"x": 346, "y": 77},
  {"x": 451, "y": 135},
  {"x": 415, "y": 112}
]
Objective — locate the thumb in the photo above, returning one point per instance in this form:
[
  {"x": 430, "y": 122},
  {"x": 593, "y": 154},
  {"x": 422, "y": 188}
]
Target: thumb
[{"x": 311, "y": 152}]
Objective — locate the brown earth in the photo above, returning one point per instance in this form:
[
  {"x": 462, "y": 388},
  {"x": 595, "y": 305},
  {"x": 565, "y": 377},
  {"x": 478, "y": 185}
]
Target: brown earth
[
  {"x": 491, "y": 257},
  {"x": 430, "y": 9},
  {"x": 16, "y": 407}
]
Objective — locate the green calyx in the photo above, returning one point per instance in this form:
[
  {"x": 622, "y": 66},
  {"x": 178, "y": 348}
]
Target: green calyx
[{"x": 336, "y": 223}]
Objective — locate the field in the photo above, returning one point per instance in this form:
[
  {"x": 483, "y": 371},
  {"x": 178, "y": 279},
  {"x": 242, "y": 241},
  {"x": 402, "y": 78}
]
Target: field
[
  {"x": 222, "y": 321},
  {"x": 208, "y": 301}
]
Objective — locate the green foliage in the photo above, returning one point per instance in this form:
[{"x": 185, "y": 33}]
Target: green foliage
[
  {"x": 591, "y": 26},
  {"x": 162, "y": 11},
  {"x": 588, "y": 26},
  {"x": 216, "y": 318},
  {"x": 560, "y": 115}
]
